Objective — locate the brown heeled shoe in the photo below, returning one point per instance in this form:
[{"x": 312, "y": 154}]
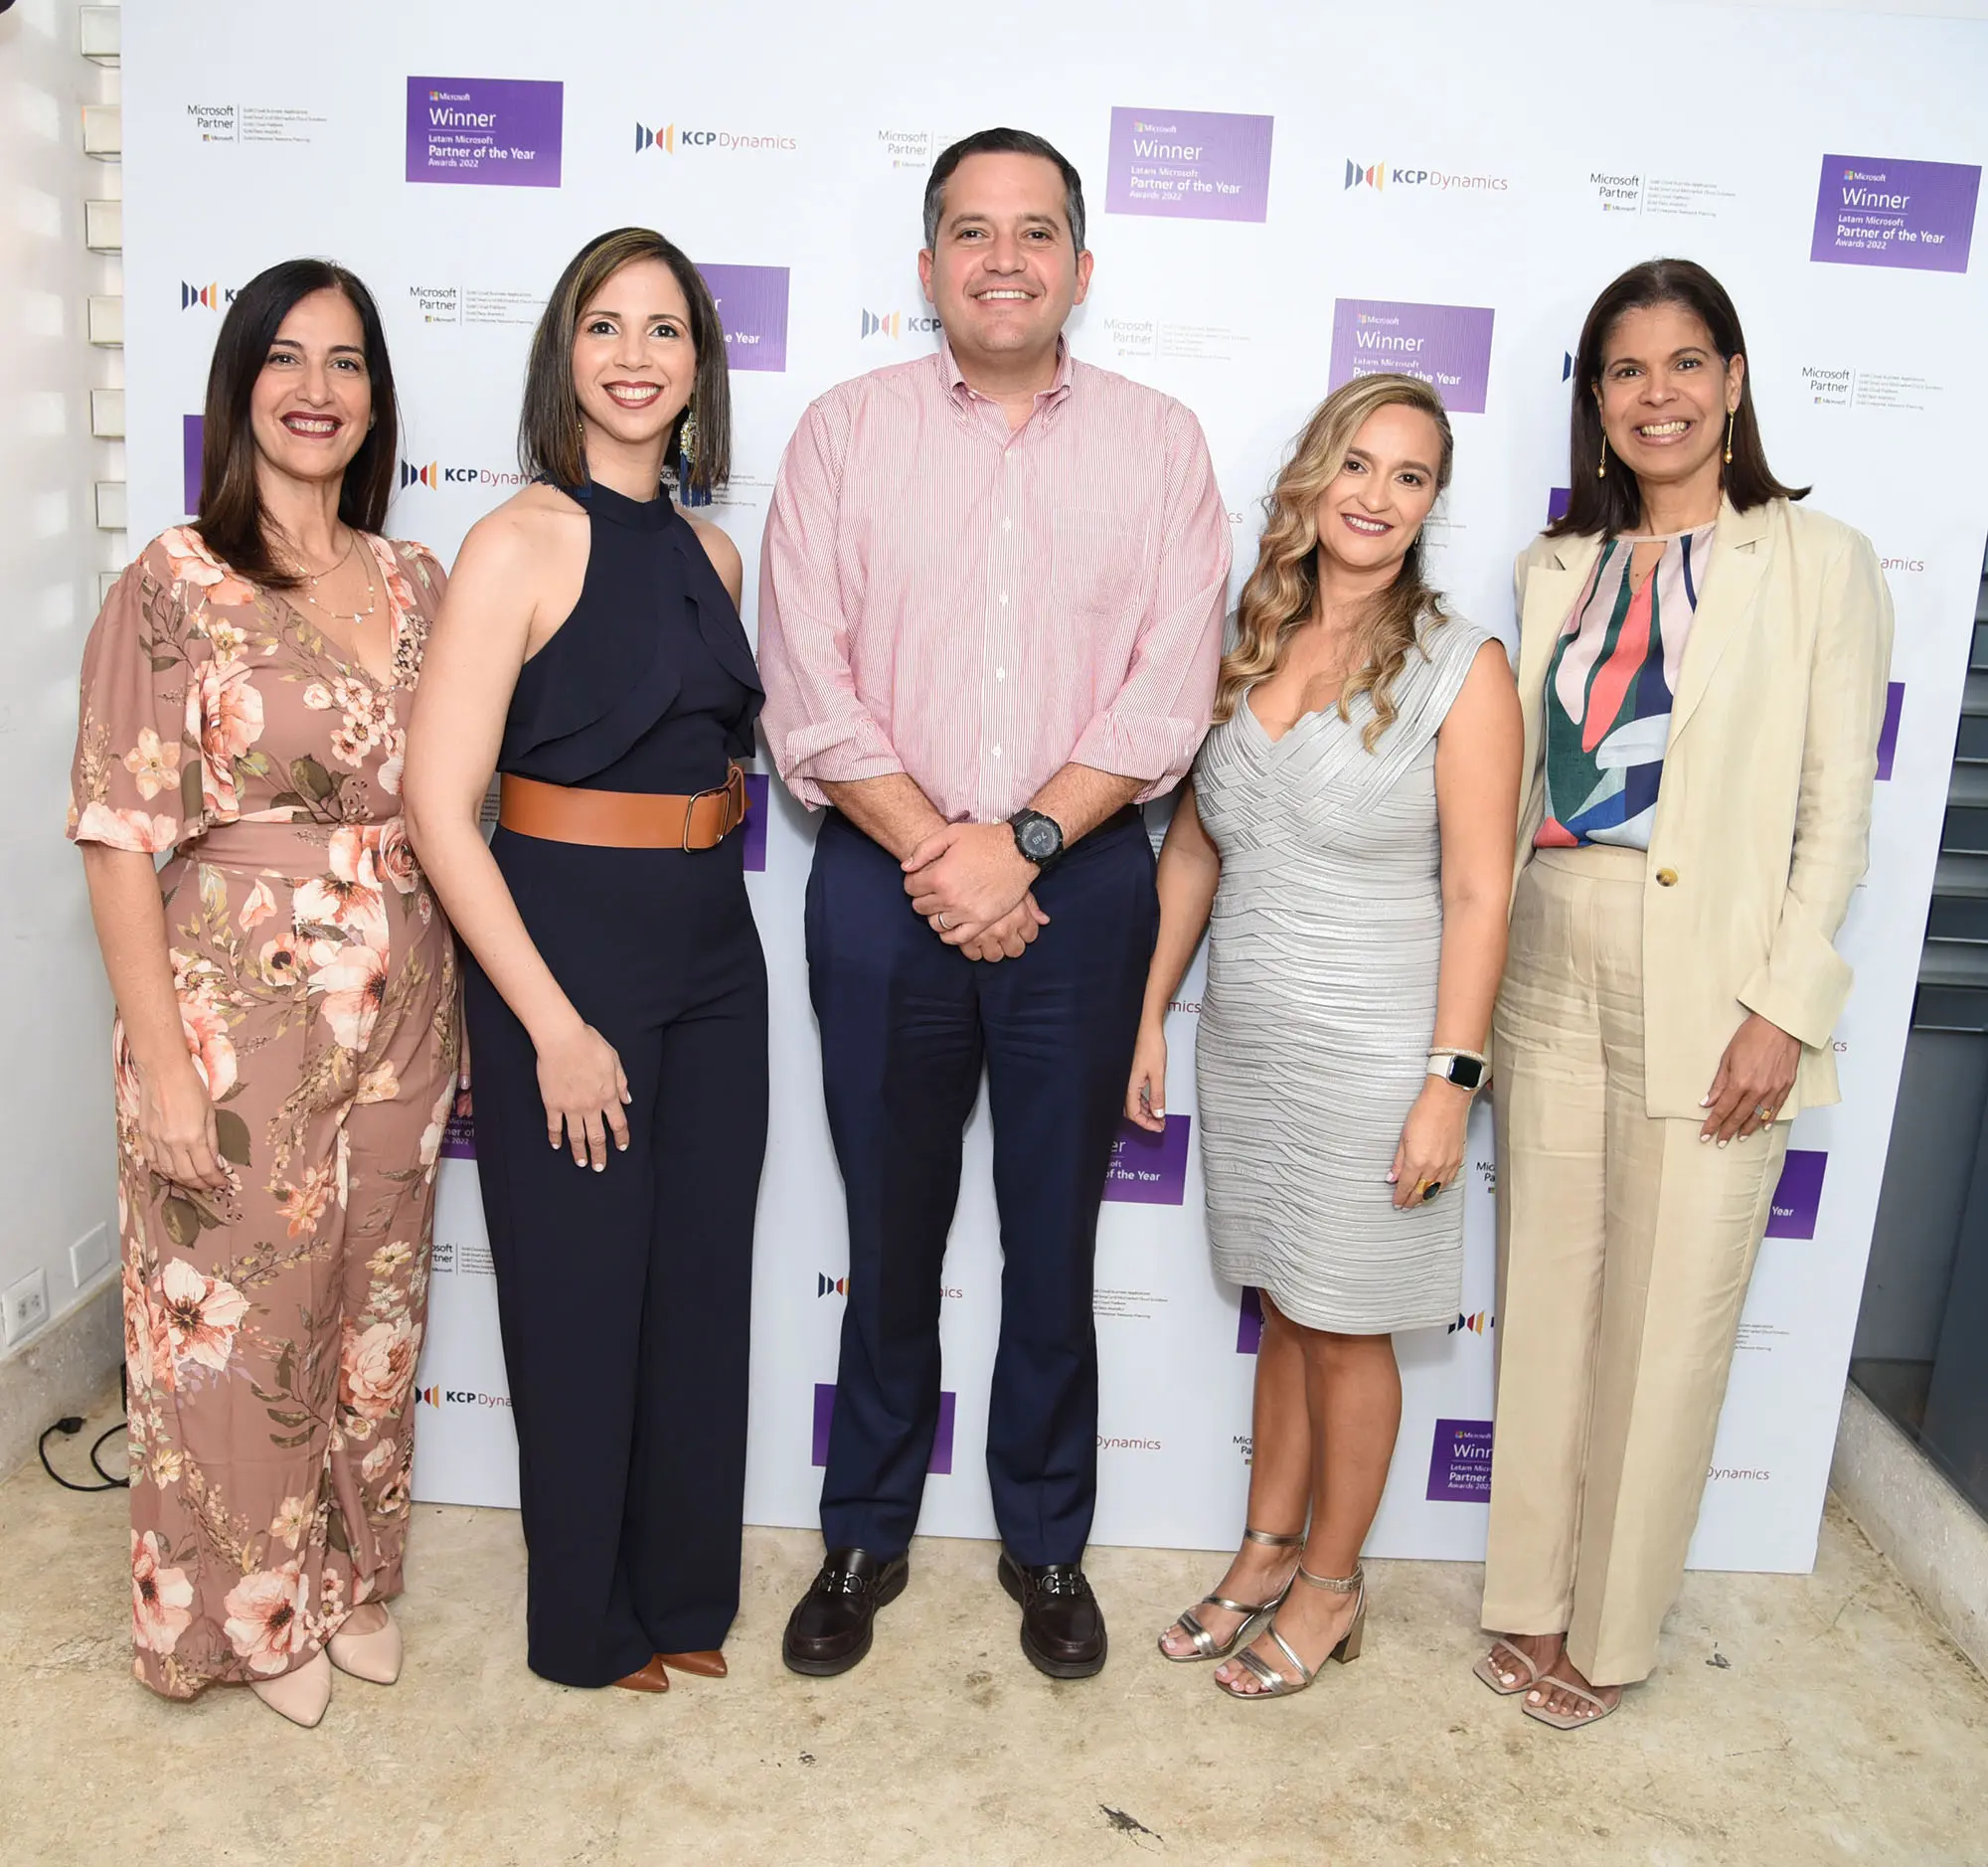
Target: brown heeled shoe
[
  {"x": 709, "y": 1664},
  {"x": 647, "y": 1678}
]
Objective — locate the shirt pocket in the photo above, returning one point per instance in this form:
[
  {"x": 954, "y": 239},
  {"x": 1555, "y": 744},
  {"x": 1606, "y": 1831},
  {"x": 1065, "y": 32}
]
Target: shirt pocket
[{"x": 1097, "y": 563}]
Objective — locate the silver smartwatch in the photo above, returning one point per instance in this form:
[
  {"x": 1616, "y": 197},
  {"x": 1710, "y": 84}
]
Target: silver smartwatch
[{"x": 1464, "y": 1068}]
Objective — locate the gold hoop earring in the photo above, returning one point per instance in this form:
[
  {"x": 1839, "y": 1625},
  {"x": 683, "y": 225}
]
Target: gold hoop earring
[
  {"x": 1731, "y": 416},
  {"x": 1601, "y": 470}
]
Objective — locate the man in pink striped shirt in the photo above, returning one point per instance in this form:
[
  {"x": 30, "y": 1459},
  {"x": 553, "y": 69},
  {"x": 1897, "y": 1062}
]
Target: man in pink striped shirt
[{"x": 990, "y": 616}]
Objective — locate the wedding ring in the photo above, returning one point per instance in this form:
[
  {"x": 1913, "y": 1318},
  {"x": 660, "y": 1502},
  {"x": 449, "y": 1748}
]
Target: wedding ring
[
  {"x": 946, "y": 923},
  {"x": 1761, "y": 1112}
]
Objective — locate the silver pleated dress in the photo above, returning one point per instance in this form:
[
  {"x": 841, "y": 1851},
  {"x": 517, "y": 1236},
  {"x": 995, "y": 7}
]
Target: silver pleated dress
[{"x": 1320, "y": 1004}]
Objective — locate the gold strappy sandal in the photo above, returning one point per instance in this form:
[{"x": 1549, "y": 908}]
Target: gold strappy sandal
[
  {"x": 1252, "y": 1612},
  {"x": 1274, "y": 1683}
]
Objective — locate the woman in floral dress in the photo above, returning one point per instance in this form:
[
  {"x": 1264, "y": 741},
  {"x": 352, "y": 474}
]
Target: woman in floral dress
[{"x": 287, "y": 1039}]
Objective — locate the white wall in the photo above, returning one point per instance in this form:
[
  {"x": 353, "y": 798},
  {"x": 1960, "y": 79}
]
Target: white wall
[{"x": 55, "y": 1116}]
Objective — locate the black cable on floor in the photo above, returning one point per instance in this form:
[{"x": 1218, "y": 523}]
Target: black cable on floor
[{"x": 71, "y": 1424}]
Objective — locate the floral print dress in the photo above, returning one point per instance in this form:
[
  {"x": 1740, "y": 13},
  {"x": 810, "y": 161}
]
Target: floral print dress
[{"x": 271, "y": 1328}]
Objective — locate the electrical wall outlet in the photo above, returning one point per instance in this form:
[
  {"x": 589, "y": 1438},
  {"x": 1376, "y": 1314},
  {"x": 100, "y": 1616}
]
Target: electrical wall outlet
[
  {"x": 24, "y": 1306},
  {"x": 90, "y": 1255}
]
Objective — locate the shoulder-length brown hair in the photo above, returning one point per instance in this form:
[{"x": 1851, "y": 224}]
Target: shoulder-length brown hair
[
  {"x": 1282, "y": 590},
  {"x": 1605, "y": 505},
  {"x": 231, "y": 519},
  {"x": 550, "y": 443}
]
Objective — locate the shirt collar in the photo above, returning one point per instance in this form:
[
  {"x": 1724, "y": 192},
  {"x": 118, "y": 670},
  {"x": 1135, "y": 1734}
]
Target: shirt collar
[{"x": 1046, "y": 399}]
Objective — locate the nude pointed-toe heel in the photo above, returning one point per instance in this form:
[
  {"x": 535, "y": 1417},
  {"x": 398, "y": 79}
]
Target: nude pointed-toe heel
[
  {"x": 375, "y": 1657},
  {"x": 299, "y": 1696}
]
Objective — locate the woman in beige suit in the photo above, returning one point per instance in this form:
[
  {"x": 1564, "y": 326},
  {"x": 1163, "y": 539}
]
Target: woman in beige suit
[{"x": 1702, "y": 667}]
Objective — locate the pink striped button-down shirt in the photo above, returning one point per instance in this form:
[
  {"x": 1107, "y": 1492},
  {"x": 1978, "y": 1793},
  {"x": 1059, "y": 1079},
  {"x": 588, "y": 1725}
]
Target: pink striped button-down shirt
[{"x": 978, "y": 608}]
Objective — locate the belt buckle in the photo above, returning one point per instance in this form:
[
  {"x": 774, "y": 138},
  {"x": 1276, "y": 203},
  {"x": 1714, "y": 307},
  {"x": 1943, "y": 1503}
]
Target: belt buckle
[{"x": 732, "y": 790}]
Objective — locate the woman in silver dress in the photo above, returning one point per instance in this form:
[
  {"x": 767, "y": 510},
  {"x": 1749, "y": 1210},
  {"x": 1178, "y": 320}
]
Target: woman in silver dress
[{"x": 1348, "y": 834}]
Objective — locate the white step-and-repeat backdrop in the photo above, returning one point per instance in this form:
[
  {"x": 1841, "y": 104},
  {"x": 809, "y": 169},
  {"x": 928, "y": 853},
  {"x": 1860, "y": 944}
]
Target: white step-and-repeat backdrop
[{"x": 1280, "y": 197}]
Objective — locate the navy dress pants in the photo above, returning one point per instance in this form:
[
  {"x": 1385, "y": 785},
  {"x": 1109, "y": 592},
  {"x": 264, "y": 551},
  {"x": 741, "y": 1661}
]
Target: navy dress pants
[{"x": 906, "y": 1025}]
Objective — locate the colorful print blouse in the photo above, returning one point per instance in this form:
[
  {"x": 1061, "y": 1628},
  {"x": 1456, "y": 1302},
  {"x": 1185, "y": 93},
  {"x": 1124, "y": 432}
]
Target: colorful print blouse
[{"x": 1609, "y": 693}]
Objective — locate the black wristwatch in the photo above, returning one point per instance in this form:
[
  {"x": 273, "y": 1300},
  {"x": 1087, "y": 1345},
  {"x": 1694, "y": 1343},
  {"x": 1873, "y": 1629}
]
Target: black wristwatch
[{"x": 1039, "y": 838}]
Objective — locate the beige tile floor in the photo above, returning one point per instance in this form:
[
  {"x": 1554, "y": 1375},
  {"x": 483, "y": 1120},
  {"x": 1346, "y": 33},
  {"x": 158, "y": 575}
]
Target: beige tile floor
[{"x": 1840, "y": 1727}]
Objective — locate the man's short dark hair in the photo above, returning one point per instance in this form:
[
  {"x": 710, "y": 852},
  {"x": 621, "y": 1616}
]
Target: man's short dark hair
[{"x": 1003, "y": 142}]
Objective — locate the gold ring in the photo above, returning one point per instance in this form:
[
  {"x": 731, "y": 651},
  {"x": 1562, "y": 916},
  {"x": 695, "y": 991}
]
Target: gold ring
[{"x": 1764, "y": 1112}]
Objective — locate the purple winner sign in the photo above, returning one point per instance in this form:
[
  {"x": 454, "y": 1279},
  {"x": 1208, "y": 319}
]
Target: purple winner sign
[
  {"x": 1250, "y": 1322},
  {"x": 1888, "y": 734},
  {"x": 755, "y": 826},
  {"x": 1447, "y": 345},
  {"x": 493, "y": 132},
  {"x": 1188, "y": 165},
  {"x": 942, "y": 1452},
  {"x": 1460, "y": 1462},
  {"x": 1149, "y": 1169},
  {"x": 1798, "y": 1198},
  {"x": 193, "y": 441},
  {"x": 753, "y": 307},
  {"x": 1880, "y": 210},
  {"x": 458, "y": 1138}
]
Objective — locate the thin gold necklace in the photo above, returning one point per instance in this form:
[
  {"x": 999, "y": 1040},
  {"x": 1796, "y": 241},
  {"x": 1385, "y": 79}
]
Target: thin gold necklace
[
  {"x": 342, "y": 616},
  {"x": 298, "y": 565}
]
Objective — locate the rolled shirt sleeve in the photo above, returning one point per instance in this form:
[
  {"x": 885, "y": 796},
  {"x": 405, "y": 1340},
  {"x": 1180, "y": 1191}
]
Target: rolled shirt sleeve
[
  {"x": 817, "y": 727},
  {"x": 1155, "y": 723}
]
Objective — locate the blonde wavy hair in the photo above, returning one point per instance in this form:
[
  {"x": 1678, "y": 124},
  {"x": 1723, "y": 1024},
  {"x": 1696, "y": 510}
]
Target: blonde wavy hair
[{"x": 1282, "y": 591}]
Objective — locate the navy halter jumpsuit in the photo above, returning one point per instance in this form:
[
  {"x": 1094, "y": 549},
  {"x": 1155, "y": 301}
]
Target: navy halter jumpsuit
[{"x": 624, "y": 1295}]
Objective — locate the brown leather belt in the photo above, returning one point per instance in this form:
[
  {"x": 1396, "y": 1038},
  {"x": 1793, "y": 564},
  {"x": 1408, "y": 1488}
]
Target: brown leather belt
[{"x": 564, "y": 813}]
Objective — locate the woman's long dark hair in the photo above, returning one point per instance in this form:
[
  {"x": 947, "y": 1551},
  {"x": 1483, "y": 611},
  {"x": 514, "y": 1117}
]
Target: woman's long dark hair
[
  {"x": 1612, "y": 504},
  {"x": 550, "y": 443},
  {"x": 231, "y": 519}
]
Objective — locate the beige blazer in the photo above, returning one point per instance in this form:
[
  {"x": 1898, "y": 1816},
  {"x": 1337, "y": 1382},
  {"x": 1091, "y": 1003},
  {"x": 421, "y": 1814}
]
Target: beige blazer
[{"x": 1763, "y": 815}]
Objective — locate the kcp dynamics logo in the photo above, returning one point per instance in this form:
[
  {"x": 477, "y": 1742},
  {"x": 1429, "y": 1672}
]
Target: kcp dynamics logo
[
  {"x": 826, "y": 1286},
  {"x": 1379, "y": 175},
  {"x": 438, "y": 1397},
  {"x": 668, "y": 139},
  {"x": 1477, "y": 1322},
  {"x": 213, "y": 296},
  {"x": 896, "y": 323},
  {"x": 435, "y": 476}
]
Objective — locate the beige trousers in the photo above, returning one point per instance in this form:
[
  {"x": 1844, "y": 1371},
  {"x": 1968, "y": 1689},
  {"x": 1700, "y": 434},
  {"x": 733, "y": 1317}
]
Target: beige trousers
[{"x": 1625, "y": 1249}]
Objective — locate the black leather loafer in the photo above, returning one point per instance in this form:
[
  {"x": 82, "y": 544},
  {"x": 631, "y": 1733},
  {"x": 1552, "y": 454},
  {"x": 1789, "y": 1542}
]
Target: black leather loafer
[
  {"x": 1063, "y": 1626},
  {"x": 829, "y": 1631}
]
